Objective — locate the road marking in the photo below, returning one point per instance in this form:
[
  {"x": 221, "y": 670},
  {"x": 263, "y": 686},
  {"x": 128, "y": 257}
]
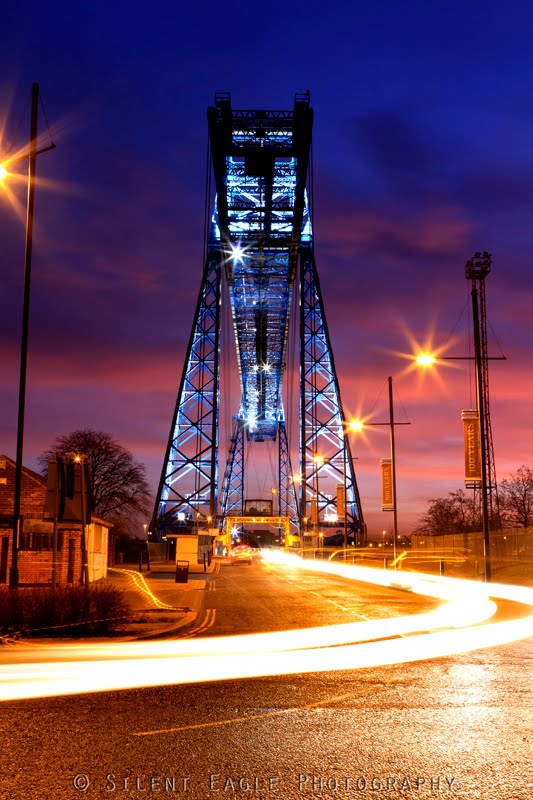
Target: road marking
[
  {"x": 317, "y": 594},
  {"x": 207, "y": 623},
  {"x": 142, "y": 587},
  {"x": 250, "y": 718}
]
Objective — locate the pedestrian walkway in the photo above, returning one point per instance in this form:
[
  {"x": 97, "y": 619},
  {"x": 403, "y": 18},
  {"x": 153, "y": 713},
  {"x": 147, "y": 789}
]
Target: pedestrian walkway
[{"x": 160, "y": 605}]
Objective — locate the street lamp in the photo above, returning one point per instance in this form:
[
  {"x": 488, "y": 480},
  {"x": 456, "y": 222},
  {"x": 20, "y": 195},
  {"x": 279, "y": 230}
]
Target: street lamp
[
  {"x": 275, "y": 492},
  {"x": 359, "y": 425},
  {"x": 319, "y": 461},
  {"x": 14, "y": 571},
  {"x": 354, "y": 425},
  {"x": 425, "y": 359}
]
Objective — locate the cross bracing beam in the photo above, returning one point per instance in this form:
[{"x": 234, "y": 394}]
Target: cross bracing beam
[
  {"x": 232, "y": 500},
  {"x": 326, "y": 460},
  {"x": 288, "y": 501},
  {"x": 189, "y": 479}
]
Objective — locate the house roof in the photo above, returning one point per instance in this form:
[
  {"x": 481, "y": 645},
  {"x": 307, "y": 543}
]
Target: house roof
[{"x": 29, "y": 472}]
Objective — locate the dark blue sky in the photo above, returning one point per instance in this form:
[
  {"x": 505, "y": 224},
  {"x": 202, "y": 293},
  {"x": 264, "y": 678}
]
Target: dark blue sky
[{"x": 422, "y": 155}]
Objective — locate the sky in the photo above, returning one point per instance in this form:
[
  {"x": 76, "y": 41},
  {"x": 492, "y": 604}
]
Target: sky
[{"x": 421, "y": 156}]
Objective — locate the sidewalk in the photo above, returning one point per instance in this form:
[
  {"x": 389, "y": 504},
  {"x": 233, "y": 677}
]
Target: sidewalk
[{"x": 161, "y": 606}]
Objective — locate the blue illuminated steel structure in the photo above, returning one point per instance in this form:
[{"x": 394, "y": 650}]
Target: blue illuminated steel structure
[
  {"x": 325, "y": 454},
  {"x": 260, "y": 163},
  {"x": 189, "y": 479},
  {"x": 233, "y": 486},
  {"x": 260, "y": 231},
  {"x": 288, "y": 501}
]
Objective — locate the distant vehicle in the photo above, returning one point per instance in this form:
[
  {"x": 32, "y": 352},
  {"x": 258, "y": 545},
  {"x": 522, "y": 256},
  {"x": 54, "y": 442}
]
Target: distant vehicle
[{"x": 241, "y": 555}]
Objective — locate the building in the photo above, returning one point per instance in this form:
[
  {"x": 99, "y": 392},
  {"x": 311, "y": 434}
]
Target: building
[{"x": 37, "y": 532}]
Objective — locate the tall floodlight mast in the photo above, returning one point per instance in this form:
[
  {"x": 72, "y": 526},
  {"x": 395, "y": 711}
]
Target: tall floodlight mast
[
  {"x": 477, "y": 269},
  {"x": 486, "y": 491},
  {"x": 261, "y": 237}
]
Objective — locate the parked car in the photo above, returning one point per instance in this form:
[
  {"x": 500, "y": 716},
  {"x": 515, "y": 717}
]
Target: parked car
[{"x": 241, "y": 555}]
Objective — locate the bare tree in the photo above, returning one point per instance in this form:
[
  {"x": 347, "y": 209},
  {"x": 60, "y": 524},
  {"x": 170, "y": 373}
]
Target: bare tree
[
  {"x": 455, "y": 513},
  {"x": 516, "y": 498},
  {"x": 119, "y": 483}
]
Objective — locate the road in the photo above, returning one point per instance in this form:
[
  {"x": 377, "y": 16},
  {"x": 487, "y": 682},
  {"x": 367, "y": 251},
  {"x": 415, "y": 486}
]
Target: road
[{"x": 453, "y": 727}]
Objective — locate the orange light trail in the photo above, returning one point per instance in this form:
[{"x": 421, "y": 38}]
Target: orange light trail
[{"x": 458, "y": 625}]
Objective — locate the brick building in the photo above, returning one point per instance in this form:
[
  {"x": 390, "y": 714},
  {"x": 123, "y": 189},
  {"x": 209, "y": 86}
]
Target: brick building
[{"x": 36, "y": 536}]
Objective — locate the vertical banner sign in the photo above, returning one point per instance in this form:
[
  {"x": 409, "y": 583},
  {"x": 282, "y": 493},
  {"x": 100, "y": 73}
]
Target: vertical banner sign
[
  {"x": 387, "y": 503},
  {"x": 472, "y": 441},
  {"x": 341, "y": 501},
  {"x": 314, "y": 511}
]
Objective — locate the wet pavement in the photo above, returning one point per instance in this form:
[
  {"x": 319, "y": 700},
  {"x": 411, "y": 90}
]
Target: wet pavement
[{"x": 458, "y": 727}]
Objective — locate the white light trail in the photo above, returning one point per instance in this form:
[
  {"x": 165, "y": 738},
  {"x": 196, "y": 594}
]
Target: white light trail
[{"x": 457, "y": 626}]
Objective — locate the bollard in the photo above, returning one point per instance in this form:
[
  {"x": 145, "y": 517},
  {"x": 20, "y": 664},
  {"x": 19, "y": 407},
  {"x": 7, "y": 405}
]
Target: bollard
[
  {"x": 441, "y": 567},
  {"x": 385, "y": 563}
]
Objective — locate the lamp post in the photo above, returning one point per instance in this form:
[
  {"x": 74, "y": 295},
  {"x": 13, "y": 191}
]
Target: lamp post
[
  {"x": 345, "y": 509},
  {"x": 31, "y": 156},
  {"x": 357, "y": 425},
  {"x": 354, "y": 425},
  {"x": 318, "y": 461},
  {"x": 14, "y": 571},
  {"x": 393, "y": 468}
]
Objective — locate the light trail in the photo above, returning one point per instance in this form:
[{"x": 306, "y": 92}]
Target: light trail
[
  {"x": 141, "y": 586},
  {"x": 454, "y": 627}
]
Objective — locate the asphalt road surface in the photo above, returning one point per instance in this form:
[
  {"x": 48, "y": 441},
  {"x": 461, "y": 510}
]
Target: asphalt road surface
[{"x": 455, "y": 727}]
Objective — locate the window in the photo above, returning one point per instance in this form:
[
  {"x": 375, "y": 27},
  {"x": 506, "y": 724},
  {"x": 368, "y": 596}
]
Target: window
[{"x": 40, "y": 540}]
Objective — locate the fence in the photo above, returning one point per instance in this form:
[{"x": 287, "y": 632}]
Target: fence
[
  {"x": 513, "y": 544},
  {"x": 459, "y": 555}
]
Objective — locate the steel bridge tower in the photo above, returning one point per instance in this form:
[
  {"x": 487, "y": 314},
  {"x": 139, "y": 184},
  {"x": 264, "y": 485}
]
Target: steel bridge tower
[{"x": 261, "y": 237}]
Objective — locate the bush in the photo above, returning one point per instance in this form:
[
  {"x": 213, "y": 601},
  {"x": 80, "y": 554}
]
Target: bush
[{"x": 67, "y": 610}]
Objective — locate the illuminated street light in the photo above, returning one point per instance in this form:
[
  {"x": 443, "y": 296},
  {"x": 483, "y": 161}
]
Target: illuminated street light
[
  {"x": 319, "y": 460},
  {"x": 425, "y": 359},
  {"x": 356, "y": 425},
  {"x": 31, "y": 157},
  {"x": 14, "y": 571},
  {"x": 391, "y": 424}
]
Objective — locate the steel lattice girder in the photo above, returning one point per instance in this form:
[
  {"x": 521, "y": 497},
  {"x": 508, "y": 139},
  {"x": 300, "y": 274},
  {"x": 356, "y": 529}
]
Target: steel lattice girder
[
  {"x": 189, "y": 479},
  {"x": 325, "y": 450},
  {"x": 288, "y": 502},
  {"x": 232, "y": 500},
  {"x": 260, "y": 161}
]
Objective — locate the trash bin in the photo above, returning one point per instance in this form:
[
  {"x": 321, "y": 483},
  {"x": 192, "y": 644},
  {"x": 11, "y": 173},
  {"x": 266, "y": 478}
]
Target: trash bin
[{"x": 182, "y": 571}]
